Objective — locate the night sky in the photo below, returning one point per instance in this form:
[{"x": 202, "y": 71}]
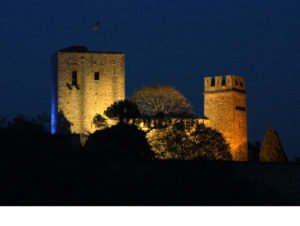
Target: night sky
[{"x": 174, "y": 43}]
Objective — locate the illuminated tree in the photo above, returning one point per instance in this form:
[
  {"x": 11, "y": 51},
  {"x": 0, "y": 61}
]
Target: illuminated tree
[
  {"x": 173, "y": 142},
  {"x": 272, "y": 150},
  {"x": 161, "y": 99},
  {"x": 188, "y": 140},
  {"x": 209, "y": 144},
  {"x": 123, "y": 109}
]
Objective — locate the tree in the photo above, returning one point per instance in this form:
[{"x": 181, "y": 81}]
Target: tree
[
  {"x": 99, "y": 121},
  {"x": 64, "y": 125},
  {"x": 43, "y": 120},
  {"x": 161, "y": 99},
  {"x": 24, "y": 136},
  {"x": 123, "y": 109},
  {"x": 120, "y": 142},
  {"x": 22, "y": 124},
  {"x": 3, "y": 121},
  {"x": 187, "y": 140},
  {"x": 272, "y": 150},
  {"x": 296, "y": 160}
]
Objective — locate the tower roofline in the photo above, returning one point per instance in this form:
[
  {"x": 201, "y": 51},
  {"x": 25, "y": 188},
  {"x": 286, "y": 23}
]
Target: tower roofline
[
  {"x": 224, "y": 83},
  {"x": 84, "y": 49}
]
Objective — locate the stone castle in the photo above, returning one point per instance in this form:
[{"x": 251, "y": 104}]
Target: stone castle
[{"x": 85, "y": 83}]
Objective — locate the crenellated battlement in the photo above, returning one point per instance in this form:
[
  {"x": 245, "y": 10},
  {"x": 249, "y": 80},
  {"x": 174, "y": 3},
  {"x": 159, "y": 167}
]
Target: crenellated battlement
[{"x": 222, "y": 83}]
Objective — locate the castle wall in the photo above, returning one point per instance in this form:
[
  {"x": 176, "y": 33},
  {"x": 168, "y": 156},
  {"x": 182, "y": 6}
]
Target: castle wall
[
  {"x": 74, "y": 105},
  {"x": 79, "y": 103},
  {"x": 225, "y": 107}
]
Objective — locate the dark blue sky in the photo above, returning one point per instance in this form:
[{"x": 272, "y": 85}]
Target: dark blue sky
[{"x": 175, "y": 43}]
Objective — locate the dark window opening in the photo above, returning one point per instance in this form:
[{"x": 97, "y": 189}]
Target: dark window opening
[
  {"x": 213, "y": 82},
  {"x": 236, "y": 82},
  {"x": 241, "y": 84},
  {"x": 240, "y": 108},
  {"x": 74, "y": 77},
  {"x": 96, "y": 75},
  {"x": 223, "y": 81}
]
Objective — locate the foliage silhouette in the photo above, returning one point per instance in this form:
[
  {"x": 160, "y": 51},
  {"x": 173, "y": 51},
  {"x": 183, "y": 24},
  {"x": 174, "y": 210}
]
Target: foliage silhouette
[
  {"x": 99, "y": 121},
  {"x": 43, "y": 120},
  {"x": 21, "y": 124},
  {"x": 124, "y": 109},
  {"x": 64, "y": 125},
  {"x": 296, "y": 160},
  {"x": 38, "y": 169},
  {"x": 3, "y": 121},
  {"x": 120, "y": 142}
]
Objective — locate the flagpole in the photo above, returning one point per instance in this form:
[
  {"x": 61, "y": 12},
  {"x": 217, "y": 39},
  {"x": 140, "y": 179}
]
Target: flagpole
[{"x": 96, "y": 27}]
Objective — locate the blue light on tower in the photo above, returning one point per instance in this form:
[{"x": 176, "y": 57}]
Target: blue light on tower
[{"x": 53, "y": 115}]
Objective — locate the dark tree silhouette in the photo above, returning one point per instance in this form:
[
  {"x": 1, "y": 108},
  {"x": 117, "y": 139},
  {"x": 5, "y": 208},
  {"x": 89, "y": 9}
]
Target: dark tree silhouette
[
  {"x": 24, "y": 137},
  {"x": 296, "y": 160},
  {"x": 3, "y": 121},
  {"x": 64, "y": 125},
  {"x": 272, "y": 150},
  {"x": 43, "y": 120},
  {"x": 161, "y": 99},
  {"x": 123, "y": 109},
  {"x": 99, "y": 121},
  {"x": 22, "y": 124},
  {"x": 120, "y": 142}
]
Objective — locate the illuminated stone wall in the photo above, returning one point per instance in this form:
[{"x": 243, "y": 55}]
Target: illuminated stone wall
[
  {"x": 75, "y": 105},
  {"x": 225, "y": 107},
  {"x": 78, "y": 104}
]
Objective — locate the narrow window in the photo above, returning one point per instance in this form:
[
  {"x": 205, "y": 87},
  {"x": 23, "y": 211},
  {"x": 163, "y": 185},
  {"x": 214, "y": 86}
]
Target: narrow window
[
  {"x": 240, "y": 108},
  {"x": 213, "y": 82},
  {"x": 236, "y": 83},
  {"x": 96, "y": 75},
  {"x": 223, "y": 81},
  {"x": 74, "y": 77}
]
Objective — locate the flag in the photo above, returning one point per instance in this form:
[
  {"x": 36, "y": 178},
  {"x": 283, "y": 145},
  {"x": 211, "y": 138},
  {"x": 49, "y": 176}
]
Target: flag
[{"x": 97, "y": 26}]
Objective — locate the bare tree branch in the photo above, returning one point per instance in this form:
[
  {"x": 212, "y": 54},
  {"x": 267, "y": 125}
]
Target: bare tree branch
[{"x": 159, "y": 98}]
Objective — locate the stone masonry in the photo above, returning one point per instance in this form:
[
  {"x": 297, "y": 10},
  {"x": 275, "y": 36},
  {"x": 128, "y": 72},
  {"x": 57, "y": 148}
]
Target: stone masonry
[
  {"x": 225, "y": 108},
  {"x": 84, "y": 84}
]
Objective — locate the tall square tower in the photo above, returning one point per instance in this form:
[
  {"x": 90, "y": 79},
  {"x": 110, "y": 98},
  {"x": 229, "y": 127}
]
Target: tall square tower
[
  {"x": 84, "y": 84},
  {"x": 226, "y": 108}
]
